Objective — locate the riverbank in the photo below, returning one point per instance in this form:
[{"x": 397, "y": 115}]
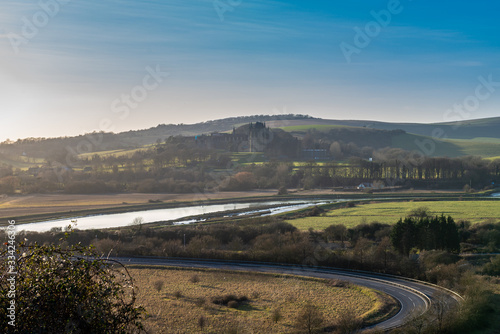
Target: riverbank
[{"x": 35, "y": 208}]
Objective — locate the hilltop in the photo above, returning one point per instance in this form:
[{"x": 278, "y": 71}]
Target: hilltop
[{"x": 474, "y": 137}]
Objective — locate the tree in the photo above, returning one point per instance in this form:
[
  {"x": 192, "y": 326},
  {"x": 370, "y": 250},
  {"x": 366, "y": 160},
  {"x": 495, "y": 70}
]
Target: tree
[
  {"x": 309, "y": 318},
  {"x": 493, "y": 267},
  {"x": 336, "y": 232},
  {"x": 59, "y": 290},
  {"x": 361, "y": 249},
  {"x": 347, "y": 321},
  {"x": 425, "y": 233}
]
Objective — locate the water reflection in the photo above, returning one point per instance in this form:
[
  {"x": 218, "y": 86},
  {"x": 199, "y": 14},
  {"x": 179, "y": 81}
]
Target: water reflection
[{"x": 151, "y": 216}]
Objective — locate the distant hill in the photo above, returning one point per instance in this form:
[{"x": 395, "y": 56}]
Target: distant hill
[
  {"x": 473, "y": 137},
  {"x": 476, "y": 137},
  {"x": 486, "y": 127},
  {"x": 163, "y": 131}
]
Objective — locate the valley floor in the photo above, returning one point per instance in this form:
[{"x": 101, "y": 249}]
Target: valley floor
[{"x": 17, "y": 206}]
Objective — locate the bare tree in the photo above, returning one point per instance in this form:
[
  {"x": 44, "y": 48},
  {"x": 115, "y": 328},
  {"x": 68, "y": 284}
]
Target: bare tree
[
  {"x": 309, "y": 319},
  {"x": 348, "y": 322}
]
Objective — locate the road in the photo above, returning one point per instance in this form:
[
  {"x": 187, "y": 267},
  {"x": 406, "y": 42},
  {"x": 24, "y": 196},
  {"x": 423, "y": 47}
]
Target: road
[{"x": 414, "y": 297}]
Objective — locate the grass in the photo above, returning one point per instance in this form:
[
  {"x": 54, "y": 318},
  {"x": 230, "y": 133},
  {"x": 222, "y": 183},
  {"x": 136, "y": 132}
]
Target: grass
[
  {"x": 248, "y": 158},
  {"x": 390, "y": 212},
  {"x": 20, "y": 162},
  {"x": 319, "y": 127},
  {"x": 115, "y": 153},
  {"x": 484, "y": 147},
  {"x": 182, "y": 301}
]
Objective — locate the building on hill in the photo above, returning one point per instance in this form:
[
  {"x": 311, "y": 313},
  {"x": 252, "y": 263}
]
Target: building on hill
[
  {"x": 364, "y": 186},
  {"x": 223, "y": 141},
  {"x": 315, "y": 154},
  {"x": 378, "y": 185},
  {"x": 252, "y": 137}
]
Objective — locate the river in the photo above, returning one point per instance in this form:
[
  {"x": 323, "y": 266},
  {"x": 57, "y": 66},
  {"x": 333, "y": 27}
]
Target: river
[
  {"x": 171, "y": 214},
  {"x": 174, "y": 214}
]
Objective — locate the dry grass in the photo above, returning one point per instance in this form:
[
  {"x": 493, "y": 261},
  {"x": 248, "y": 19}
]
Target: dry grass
[{"x": 182, "y": 302}]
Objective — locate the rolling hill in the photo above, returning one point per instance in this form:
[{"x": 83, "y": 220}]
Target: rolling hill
[
  {"x": 486, "y": 127},
  {"x": 474, "y": 137}
]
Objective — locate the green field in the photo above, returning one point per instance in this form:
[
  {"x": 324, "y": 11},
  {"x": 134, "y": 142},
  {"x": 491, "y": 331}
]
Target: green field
[
  {"x": 247, "y": 158},
  {"x": 21, "y": 162},
  {"x": 115, "y": 153},
  {"x": 390, "y": 212},
  {"x": 319, "y": 127},
  {"x": 484, "y": 147}
]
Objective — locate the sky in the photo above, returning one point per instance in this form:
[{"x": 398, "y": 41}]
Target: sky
[{"x": 70, "y": 67}]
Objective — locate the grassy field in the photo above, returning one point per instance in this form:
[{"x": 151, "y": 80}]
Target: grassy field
[
  {"x": 484, "y": 147},
  {"x": 390, "y": 212},
  {"x": 185, "y": 295},
  {"x": 319, "y": 127},
  {"x": 115, "y": 153},
  {"x": 246, "y": 158}
]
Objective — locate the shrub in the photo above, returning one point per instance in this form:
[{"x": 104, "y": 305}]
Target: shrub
[
  {"x": 76, "y": 291},
  {"x": 226, "y": 299},
  {"x": 158, "y": 285},
  {"x": 202, "y": 321},
  {"x": 233, "y": 304},
  {"x": 276, "y": 315},
  {"x": 194, "y": 279},
  {"x": 282, "y": 191}
]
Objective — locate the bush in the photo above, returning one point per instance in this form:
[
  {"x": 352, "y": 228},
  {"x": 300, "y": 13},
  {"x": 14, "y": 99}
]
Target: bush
[
  {"x": 276, "y": 315},
  {"x": 226, "y": 299},
  {"x": 158, "y": 285},
  {"x": 75, "y": 291},
  {"x": 282, "y": 191},
  {"x": 233, "y": 304},
  {"x": 194, "y": 279},
  {"x": 493, "y": 267}
]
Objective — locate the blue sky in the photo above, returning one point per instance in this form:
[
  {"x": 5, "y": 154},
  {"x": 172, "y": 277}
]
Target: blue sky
[{"x": 65, "y": 69}]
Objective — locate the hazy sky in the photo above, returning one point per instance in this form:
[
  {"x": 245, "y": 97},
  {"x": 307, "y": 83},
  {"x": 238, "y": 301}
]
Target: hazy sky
[{"x": 70, "y": 67}]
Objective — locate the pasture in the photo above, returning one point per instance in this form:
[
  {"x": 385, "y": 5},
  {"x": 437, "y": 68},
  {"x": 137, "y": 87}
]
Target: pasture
[{"x": 390, "y": 212}]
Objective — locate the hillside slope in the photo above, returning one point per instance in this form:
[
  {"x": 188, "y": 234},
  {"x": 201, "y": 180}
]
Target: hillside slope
[
  {"x": 487, "y": 127},
  {"x": 474, "y": 137}
]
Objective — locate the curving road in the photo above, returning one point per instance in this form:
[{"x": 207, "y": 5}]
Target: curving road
[{"x": 414, "y": 297}]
